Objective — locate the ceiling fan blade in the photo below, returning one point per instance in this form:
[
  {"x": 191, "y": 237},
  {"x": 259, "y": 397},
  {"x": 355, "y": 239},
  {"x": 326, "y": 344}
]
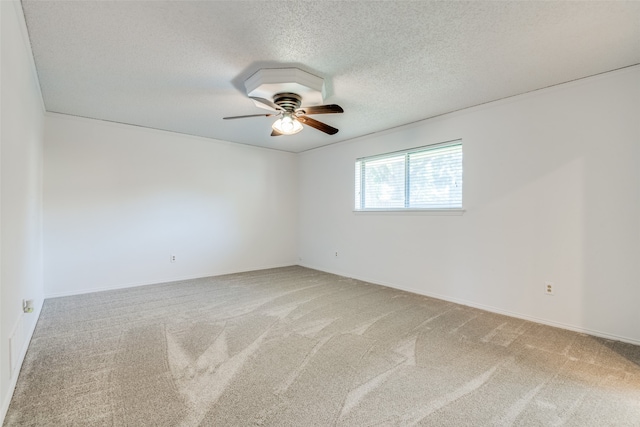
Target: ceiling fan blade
[
  {"x": 321, "y": 109},
  {"x": 250, "y": 115},
  {"x": 275, "y": 133},
  {"x": 267, "y": 103},
  {"x": 318, "y": 125}
]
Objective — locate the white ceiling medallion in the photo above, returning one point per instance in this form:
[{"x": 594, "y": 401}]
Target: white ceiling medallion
[{"x": 267, "y": 82}]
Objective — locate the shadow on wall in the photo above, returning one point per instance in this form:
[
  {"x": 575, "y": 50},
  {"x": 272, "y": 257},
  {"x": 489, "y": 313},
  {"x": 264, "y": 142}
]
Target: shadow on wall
[
  {"x": 611, "y": 223},
  {"x": 582, "y": 147}
]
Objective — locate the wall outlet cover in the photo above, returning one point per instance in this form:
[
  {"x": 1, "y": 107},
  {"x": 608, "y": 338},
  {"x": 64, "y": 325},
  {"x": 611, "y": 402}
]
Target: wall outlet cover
[{"x": 549, "y": 288}]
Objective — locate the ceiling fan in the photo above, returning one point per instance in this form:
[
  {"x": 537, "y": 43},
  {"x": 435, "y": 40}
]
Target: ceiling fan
[{"x": 291, "y": 116}]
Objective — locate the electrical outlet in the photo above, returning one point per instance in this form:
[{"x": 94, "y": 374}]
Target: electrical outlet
[
  {"x": 336, "y": 254},
  {"x": 549, "y": 288},
  {"x": 27, "y": 305},
  {"x": 173, "y": 258}
]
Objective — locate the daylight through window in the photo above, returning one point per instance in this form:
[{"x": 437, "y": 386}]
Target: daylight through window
[{"x": 421, "y": 178}]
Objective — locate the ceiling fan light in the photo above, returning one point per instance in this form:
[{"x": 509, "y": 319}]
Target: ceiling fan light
[{"x": 287, "y": 125}]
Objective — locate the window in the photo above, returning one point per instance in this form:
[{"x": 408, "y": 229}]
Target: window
[{"x": 422, "y": 178}]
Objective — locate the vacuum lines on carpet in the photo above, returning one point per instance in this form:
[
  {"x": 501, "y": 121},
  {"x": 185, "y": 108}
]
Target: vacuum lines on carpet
[{"x": 297, "y": 347}]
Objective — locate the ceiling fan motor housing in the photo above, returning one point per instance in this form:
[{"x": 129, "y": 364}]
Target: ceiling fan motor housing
[{"x": 287, "y": 101}]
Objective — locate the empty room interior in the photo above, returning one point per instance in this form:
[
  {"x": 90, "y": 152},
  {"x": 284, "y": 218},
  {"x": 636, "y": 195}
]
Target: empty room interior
[{"x": 320, "y": 213}]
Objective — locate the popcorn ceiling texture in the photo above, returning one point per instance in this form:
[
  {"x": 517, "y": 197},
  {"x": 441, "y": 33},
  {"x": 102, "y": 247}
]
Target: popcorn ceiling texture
[
  {"x": 180, "y": 66},
  {"x": 298, "y": 347}
]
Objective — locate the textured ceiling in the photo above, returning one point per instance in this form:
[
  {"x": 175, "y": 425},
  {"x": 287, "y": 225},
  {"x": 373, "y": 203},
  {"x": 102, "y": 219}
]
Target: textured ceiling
[{"x": 180, "y": 66}]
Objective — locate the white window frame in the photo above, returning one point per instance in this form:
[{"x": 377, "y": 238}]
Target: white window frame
[{"x": 406, "y": 209}]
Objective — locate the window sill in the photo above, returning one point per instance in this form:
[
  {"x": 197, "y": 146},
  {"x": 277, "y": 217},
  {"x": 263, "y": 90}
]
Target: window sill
[{"x": 435, "y": 212}]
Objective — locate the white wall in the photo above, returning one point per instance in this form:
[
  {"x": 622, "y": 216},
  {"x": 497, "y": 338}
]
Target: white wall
[
  {"x": 119, "y": 200},
  {"x": 551, "y": 192},
  {"x": 21, "y": 121}
]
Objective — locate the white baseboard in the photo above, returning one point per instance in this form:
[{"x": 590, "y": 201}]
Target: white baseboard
[
  {"x": 492, "y": 309},
  {"x": 161, "y": 280},
  {"x": 121, "y": 286},
  {"x": 23, "y": 352}
]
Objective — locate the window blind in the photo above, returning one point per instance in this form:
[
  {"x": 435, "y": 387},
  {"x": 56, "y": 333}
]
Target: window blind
[{"x": 427, "y": 177}]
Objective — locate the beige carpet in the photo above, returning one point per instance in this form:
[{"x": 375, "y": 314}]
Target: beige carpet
[{"x": 297, "y": 347}]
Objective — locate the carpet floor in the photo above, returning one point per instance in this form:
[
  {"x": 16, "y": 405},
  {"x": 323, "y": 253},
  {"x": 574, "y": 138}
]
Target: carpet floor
[{"x": 298, "y": 347}]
